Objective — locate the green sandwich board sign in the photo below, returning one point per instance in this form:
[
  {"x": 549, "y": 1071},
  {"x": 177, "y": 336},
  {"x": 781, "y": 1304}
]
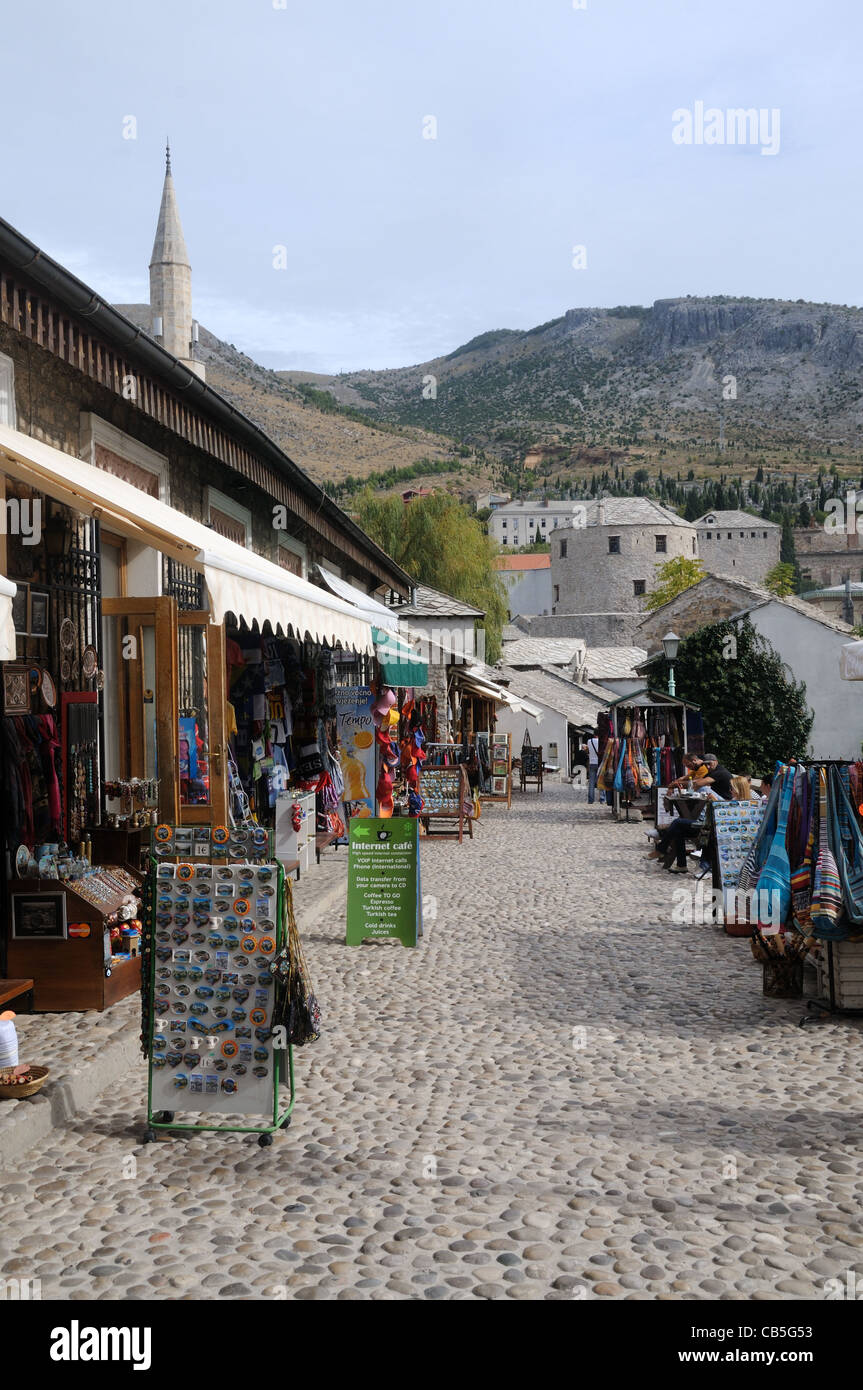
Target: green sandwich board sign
[{"x": 384, "y": 897}]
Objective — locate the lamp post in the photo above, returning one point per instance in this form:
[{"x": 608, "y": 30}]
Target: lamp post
[{"x": 670, "y": 643}]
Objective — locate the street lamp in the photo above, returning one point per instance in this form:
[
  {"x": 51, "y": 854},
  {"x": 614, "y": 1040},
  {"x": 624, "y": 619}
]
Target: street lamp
[{"x": 670, "y": 643}]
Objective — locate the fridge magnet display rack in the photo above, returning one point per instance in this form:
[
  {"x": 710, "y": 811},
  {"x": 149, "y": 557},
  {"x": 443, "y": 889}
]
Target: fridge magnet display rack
[
  {"x": 445, "y": 792},
  {"x": 214, "y": 924}
]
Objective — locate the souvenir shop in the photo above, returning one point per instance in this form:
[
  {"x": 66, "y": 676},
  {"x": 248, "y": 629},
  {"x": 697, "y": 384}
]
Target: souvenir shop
[
  {"x": 795, "y": 887},
  {"x": 643, "y": 739},
  {"x": 210, "y": 703}
]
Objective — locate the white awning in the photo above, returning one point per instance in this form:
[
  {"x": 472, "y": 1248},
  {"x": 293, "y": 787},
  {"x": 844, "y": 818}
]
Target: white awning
[
  {"x": 372, "y": 611},
  {"x": 238, "y": 580},
  {"x": 471, "y": 679},
  {"x": 7, "y": 626}
]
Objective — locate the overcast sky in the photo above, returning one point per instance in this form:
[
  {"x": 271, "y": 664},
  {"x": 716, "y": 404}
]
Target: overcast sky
[{"x": 303, "y": 127}]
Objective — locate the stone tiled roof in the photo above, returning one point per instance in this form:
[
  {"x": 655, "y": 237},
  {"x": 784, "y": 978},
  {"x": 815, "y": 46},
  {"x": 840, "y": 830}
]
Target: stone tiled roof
[
  {"x": 601, "y": 663},
  {"x": 628, "y": 511},
  {"x": 577, "y": 703},
  {"x": 754, "y": 596},
  {"x": 736, "y": 520},
  {"x": 613, "y": 663},
  {"x": 542, "y": 651},
  {"x": 431, "y": 603}
]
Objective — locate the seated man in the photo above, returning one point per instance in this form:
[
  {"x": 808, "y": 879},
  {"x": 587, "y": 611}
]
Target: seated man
[{"x": 717, "y": 784}]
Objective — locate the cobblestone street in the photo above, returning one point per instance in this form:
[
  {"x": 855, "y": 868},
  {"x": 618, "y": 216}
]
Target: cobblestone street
[{"x": 559, "y": 1094}]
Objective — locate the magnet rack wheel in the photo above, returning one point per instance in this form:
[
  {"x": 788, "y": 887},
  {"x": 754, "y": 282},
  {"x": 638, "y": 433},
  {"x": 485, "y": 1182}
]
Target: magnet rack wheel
[
  {"x": 265, "y": 1140},
  {"x": 286, "y": 1122},
  {"x": 149, "y": 1136}
]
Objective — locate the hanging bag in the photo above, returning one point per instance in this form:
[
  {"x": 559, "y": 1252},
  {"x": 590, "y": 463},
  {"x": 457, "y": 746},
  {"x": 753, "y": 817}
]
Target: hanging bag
[
  {"x": 295, "y": 1007},
  {"x": 801, "y": 878},
  {"x": 827, "y": 888},
  {"x": 775, "y": 877},
  {"x": 847, "y": 845}
]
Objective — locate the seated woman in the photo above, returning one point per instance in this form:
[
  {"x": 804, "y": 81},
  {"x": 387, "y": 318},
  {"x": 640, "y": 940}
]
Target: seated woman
[{"x": 741, "y": 789}]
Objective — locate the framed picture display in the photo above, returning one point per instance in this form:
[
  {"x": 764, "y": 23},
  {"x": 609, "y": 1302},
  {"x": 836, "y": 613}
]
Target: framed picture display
[
  {"x": 499, "y": 786},
  {"x": 38, "y": 613},
  {"x": 41, "y": 916},
  {"x": 16, "y": 688},
  {"x": 20, "y": 608}
]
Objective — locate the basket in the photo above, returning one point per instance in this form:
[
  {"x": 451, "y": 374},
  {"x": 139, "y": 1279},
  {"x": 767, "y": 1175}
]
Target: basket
[
  {"x": 40, "y": 1076},
  {"x": 783, "y": 977}
]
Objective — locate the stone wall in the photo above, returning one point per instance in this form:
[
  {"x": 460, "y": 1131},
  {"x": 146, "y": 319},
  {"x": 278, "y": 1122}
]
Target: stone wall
[
  {"x": 597, "y": 629},
  {"x": 708, "y": 602},
  {"x": 751, "y": 552},
  {"x": 829, "y": 557},
  {"x": 589, "y": 578}
]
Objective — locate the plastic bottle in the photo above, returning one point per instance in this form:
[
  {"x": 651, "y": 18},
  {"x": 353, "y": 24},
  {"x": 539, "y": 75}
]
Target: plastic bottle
[{"x": 8, "y": 1040}]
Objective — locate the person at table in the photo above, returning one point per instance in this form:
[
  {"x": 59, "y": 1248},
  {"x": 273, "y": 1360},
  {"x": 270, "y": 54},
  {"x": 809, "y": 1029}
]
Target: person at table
[
  {"x": 693, "y": 766},
  {"x": 741, "y": 788},
  {"x": 718, "y": 778},
  {"x": 716, "y": 786}
]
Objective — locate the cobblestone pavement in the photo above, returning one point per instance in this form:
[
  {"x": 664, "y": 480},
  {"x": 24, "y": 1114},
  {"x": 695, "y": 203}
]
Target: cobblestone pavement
[{"x": 559, "y": 1095}]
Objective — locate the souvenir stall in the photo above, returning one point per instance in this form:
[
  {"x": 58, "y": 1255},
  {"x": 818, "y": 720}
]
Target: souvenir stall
[
  {"x": 642, "y": 741},
  {"x": 802, "y": 884},
  {"x": 283, "y": 748},
  {"x": 72, "y": 899}
]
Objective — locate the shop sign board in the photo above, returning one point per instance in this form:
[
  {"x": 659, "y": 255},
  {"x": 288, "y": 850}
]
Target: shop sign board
[
  {"x": 356, "y": 728},
  {"x": 384, "y": 895}
]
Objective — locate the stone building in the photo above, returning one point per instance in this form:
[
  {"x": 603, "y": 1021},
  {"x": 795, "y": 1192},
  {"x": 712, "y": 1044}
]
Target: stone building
[
  {"x": 220, "y": 520},
  {"x": 827, "y": 556},
  {"x": 605, "y": 560},
  {"x": 737, "y": 543}
]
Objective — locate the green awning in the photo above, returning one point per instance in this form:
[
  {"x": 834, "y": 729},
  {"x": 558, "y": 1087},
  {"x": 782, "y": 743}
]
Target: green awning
[{"x": 399, "y": 663}]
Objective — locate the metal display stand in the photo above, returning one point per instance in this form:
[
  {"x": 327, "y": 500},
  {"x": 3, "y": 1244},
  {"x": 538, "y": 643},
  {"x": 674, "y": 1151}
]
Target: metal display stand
[{"x": 214, "y": 925}]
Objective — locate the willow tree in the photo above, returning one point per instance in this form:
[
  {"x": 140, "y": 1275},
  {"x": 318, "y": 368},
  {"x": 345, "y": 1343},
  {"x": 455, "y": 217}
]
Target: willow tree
[{"x": 440, "y": 544}]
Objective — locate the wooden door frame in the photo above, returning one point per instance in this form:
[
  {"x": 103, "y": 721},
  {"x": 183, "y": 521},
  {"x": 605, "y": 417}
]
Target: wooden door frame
[
  {"x": 161, "y": 614},
  {"x": 216, "y": 810}
]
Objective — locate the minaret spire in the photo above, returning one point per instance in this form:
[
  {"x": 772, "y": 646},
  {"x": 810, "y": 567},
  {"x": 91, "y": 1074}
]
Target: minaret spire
[{"x": 171, "y": 278}]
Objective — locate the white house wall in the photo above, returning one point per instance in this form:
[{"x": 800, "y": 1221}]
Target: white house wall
[{"x": 811, "y": 651}]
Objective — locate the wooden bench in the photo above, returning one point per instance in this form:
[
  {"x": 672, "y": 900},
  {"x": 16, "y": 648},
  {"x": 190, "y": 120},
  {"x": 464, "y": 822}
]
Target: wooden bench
[
  {"x": 322, "y": 840},
  {"x": 14, "y": 989}
]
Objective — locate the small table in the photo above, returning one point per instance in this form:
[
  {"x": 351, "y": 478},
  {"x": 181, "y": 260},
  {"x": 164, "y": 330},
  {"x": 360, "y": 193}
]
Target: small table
[{"x": 689, "y": 804}]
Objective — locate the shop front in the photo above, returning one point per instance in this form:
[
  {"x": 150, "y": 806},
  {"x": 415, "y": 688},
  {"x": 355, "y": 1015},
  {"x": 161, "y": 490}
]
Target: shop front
[{"x": 153, "y": 672}]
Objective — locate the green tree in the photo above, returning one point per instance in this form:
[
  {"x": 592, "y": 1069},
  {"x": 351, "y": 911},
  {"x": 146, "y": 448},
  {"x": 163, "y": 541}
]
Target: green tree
[
  {"x": 780, "y": 580},
  {"x": 754, "y": 712},
  {"x": 671, "y": 579},
  {"x": 440, "y": 544},
  {"x": 788, "y": 554}
]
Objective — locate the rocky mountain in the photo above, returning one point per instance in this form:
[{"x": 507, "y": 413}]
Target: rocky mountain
[
  {"x": 785, "y": 375},
  {"x": 331, "y": 442}
]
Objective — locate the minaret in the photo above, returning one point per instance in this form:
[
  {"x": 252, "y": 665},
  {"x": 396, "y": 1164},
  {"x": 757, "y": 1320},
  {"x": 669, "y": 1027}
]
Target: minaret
[{"x": 171, "y": 280}]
